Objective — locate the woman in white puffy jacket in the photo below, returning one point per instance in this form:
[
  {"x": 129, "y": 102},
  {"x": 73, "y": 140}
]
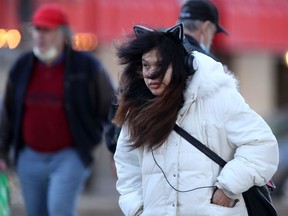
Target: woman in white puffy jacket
[{"x": 159, "y": 172}]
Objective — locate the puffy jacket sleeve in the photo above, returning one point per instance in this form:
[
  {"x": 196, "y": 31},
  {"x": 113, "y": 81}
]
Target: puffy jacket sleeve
[
  {"x": 256, "y": 149},
  {"x": 129, "y": 183}
]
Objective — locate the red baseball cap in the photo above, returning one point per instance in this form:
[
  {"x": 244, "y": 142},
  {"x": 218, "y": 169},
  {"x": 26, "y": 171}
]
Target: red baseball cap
[{"x": 49, "y": 16}]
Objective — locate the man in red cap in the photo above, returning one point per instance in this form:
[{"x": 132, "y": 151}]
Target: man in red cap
[
  {"x": 47, "y": 23},
  {"x": 55, "y": 107}
]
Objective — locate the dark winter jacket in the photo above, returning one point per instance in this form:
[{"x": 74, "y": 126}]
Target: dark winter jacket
[
  {"x": 192, "y": 45},
  {"x": 112, "y": 132},
  {"x": 88, "y": 93}
]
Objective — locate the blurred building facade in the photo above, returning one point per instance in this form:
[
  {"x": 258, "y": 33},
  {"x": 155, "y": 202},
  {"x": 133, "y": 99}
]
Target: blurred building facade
[
  {"x": 254, "y": 50},
  {"x": 257, "y": 49}
]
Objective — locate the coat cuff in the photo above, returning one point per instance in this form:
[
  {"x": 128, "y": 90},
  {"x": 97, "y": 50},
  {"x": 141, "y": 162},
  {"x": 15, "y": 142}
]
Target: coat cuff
[{"x": 228, "y": 193}]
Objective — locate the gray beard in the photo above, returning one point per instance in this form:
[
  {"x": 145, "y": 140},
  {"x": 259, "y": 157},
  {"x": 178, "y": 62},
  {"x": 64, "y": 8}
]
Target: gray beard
[{"x": 47, "y": 56}]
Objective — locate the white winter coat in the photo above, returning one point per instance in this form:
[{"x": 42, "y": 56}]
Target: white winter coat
[{"x": 216, "y": 114}]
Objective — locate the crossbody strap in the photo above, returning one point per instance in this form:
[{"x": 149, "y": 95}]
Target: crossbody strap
[
  {"x": 200, "y": 146},
  {"x": 208, "y": 152}
]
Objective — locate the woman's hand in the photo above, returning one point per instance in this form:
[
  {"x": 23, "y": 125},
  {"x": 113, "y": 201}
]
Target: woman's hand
[{"x": 220, "y": 198}]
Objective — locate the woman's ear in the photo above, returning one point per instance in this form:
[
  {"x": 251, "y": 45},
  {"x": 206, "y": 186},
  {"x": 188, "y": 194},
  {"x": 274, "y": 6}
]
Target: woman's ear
[
  {"x": 141, "y": 30},
  {"x": 177, "y": 31}
]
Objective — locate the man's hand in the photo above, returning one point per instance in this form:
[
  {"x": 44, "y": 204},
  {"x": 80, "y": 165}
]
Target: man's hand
[
  {"x": 3, "y": 165},
  {"x": 220, "y": 198}
]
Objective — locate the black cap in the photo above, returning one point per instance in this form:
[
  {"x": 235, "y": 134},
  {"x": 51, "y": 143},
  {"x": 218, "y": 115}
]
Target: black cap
[{"x": 201, "y": 10}]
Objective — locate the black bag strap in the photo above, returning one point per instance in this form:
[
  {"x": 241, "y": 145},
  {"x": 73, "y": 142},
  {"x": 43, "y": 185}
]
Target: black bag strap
[
  {"x": 208, "y": 152},
  {"x": 200, "y": 146}
]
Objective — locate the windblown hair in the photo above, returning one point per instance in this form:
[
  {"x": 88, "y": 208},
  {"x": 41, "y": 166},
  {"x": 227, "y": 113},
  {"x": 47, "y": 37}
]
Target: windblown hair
[{"x": 150, "y": 119}]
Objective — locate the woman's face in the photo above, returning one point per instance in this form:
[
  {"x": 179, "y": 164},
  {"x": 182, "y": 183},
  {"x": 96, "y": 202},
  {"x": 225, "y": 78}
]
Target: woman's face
[{"x": 150, "y": 63}]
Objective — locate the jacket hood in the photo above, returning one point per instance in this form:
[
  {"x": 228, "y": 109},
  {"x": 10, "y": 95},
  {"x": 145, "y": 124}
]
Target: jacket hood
[{"x": 208, "y": 78}]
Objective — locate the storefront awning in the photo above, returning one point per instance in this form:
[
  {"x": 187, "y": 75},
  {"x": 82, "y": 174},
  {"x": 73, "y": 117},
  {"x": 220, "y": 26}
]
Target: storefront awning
[
  {"x": 110, "y": 19},
  {"x": 260, "y": 25},
  {"x": 253, "y": 25}
]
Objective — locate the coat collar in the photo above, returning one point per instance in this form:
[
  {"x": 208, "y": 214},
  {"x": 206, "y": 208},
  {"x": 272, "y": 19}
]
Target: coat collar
[{"x": 208, "y": 78}]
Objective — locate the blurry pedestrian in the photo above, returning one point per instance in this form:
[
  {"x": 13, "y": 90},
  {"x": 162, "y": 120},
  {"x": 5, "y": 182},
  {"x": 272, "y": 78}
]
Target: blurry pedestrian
[
  {"x": 55, "y": 107},
  {"x": 201, "y": 24},
  {"x": 159, "y": 172}
]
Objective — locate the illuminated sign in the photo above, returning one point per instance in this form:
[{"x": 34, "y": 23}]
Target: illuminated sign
[
  {"x": 85, "y": 42},
  {"x": 9, "y": 38}
]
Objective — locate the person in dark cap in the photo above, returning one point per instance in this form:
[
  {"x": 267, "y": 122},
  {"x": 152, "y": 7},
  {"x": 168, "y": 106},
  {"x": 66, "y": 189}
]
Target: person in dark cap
[
  {"x": 54, "y": 110},
  {"x": 201, "y": 24}
]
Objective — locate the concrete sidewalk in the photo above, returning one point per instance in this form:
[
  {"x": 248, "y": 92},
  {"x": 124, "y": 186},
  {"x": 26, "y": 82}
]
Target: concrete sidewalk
[{"x": 102, "y": 206}]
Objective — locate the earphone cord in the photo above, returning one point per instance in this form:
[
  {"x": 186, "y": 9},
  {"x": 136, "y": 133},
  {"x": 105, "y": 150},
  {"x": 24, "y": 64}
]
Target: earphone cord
[{"x": 181, "y": 191}]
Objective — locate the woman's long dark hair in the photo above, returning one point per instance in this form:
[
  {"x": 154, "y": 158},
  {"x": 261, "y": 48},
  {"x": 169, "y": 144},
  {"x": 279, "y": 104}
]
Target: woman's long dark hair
[{"x": 150, "y": 119}]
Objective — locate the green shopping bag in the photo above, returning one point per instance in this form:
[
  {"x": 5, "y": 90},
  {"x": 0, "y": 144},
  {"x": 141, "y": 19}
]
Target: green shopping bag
[{"x": 4, "y": 195}]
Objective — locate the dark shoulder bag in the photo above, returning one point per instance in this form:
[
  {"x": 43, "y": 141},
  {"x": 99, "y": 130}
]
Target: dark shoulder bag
[{"x": 257, "y": 199}]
